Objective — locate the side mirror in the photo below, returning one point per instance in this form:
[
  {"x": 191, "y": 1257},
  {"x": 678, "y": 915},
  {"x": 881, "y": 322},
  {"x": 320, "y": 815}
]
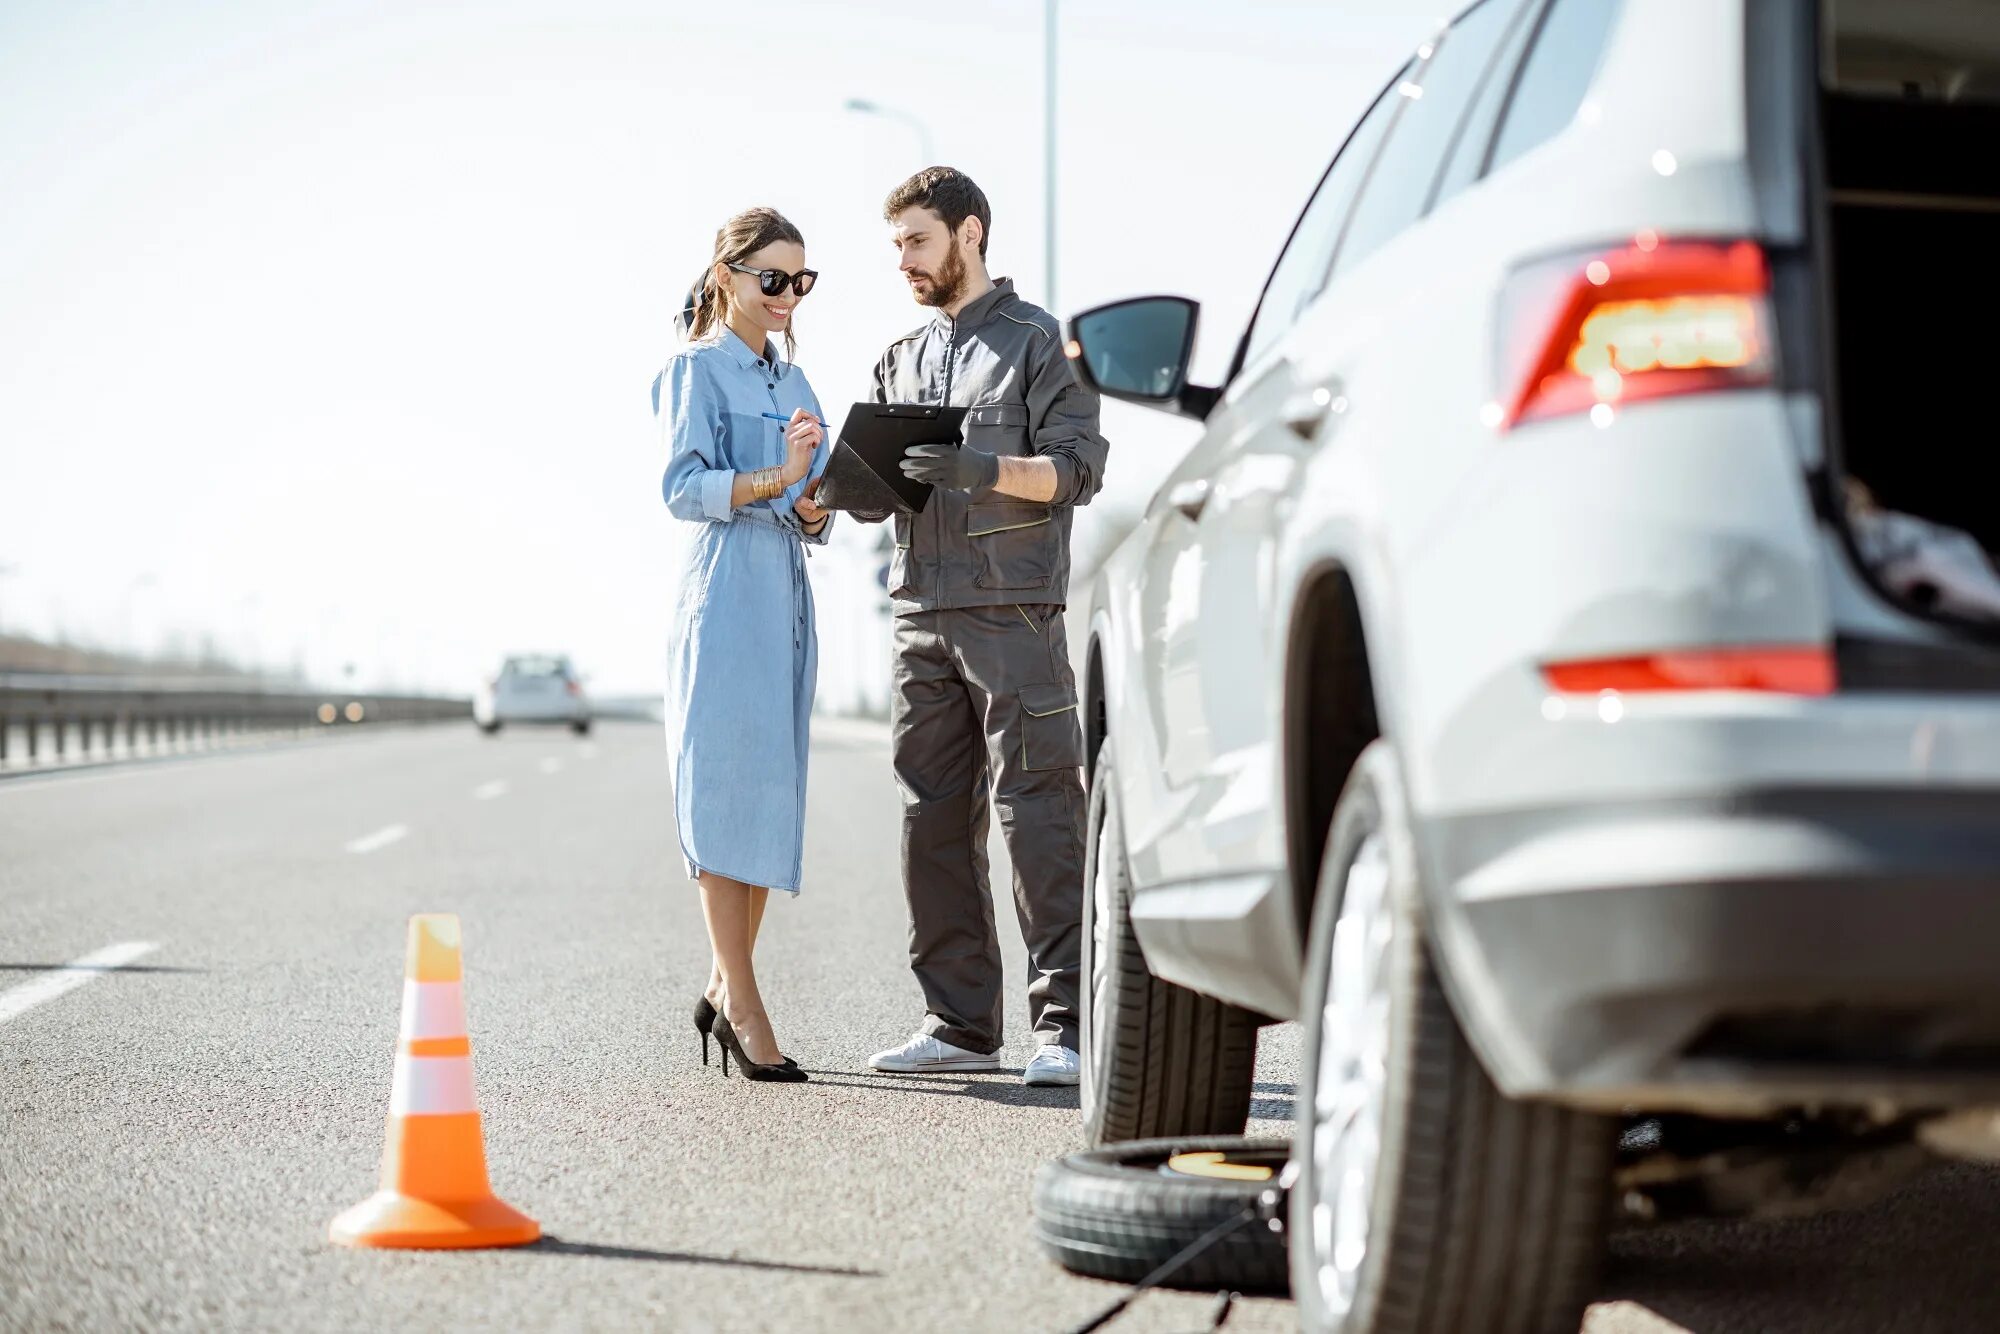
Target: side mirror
[{"x": 1138, "y": 350}]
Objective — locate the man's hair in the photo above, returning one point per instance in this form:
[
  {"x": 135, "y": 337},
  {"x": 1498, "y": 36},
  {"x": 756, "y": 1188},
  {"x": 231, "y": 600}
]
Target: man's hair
[{"x": 947, "y": 192}]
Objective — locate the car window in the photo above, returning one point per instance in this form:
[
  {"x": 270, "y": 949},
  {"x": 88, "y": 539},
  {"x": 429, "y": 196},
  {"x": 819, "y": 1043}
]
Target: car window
[
  {"x": 1551, "y": 85},
  {"x": 1301, "y": 270},
  {"x": 1475, "y": 132},
  {"x": 536, "y": 667},
  {"x": 1437, "y": 94}
]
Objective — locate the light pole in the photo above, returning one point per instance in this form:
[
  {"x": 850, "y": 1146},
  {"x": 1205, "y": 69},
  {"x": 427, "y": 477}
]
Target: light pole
[
  {"x": 863, "y": 106},
  {"x": 1049, "y": 155}
]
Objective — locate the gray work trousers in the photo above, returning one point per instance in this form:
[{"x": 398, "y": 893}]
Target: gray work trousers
[{"x": 985, "y": 704}]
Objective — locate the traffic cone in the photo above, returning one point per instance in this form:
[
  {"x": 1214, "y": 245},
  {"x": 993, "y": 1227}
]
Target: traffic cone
[{"x": 434, "y": 1188}]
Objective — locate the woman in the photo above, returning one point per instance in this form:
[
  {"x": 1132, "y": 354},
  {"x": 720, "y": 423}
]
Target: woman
[{"x": 745, "y": 449}]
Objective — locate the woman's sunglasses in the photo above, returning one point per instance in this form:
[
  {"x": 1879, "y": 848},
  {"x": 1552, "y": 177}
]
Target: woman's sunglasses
[{"x": 773, "y": 281}]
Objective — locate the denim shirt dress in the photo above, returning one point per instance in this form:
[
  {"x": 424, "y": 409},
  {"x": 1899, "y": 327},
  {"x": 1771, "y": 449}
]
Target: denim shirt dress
[{"x": 742, "y": 653}]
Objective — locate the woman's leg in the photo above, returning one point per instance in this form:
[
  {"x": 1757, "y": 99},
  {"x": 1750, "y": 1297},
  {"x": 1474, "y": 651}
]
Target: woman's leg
[
  {"x": 759, "y": 896},
  {"x": 726, "y": 905}
]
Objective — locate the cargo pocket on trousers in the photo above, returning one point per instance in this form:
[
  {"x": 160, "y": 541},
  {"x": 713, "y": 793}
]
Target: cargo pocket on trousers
[
  {"x": 1050, "y": 735},
  {"x": 1013, "y": 544}
]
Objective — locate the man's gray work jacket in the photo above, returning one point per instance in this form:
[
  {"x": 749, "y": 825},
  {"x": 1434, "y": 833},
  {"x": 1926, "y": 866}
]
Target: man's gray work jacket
[{"x": 1003, "y": 360}]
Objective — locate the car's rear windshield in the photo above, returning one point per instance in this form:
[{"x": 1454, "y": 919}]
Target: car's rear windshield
[
  {"x": 536, "y": 667},
  {"x": 1914, "y": 50}
]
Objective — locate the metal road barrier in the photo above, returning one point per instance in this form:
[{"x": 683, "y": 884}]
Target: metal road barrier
[{"x": 49, "y": 719}]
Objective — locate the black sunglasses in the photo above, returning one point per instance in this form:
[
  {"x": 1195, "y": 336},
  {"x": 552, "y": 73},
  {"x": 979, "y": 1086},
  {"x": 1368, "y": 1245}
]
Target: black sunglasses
[{"x": 773, "y": 281}]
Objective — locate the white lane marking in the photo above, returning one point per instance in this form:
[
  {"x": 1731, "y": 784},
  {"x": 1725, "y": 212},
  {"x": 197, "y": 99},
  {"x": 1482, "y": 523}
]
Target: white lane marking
[
  {"x": 381, "y": 838},
  {"x": 551, "y": 765},
  {"x": 488, "y": 791},
  {"x": 70, "y": 976},
  {"x": 588, "y": 750}
]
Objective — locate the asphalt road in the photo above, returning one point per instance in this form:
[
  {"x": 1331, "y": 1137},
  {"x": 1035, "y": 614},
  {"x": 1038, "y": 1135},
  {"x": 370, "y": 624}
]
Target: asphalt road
[{"x": 176, "y": 1134}]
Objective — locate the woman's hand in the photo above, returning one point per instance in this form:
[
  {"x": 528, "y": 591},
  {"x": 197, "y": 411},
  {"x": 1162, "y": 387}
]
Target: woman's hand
[
  {"x": 802, "y": 437},
  {"x": 810, "y": 511}
]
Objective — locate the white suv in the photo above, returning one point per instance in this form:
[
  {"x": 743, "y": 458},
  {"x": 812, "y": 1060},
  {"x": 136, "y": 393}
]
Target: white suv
[{"x": 1565, "y": 674}]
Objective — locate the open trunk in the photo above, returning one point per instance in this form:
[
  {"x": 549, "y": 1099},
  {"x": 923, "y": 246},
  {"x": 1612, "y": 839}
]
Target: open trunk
[{"x": 1910, "y": 127}]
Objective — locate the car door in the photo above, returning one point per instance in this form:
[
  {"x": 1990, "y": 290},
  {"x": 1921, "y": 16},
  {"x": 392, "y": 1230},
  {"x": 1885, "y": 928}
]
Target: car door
[
  {"x": 1182, "y": 591},
  {"x": 1223, "y": 631}
]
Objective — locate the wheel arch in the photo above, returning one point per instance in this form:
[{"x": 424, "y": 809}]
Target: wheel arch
[{"x": 1330, "y": 716}]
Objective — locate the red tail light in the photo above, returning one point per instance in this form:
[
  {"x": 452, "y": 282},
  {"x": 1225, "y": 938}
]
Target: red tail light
[
  {"x": 574, "y": 688},
  {"x": 1792, "y": 671},
  {"x": 1635, "y": 322}
]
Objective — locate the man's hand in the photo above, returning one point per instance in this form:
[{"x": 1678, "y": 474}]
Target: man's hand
[{"x": 954, "y": 467}]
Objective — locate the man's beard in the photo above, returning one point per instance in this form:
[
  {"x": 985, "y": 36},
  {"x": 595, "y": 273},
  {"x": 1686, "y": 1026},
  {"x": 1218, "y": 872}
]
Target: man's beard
[{"x": 947, "y": 283}]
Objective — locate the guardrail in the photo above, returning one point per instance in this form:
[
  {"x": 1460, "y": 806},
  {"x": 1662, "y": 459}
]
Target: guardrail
[{"x": 47, "y": 720}]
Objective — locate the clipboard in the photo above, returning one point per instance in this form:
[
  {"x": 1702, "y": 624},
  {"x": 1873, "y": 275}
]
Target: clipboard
[{"x": 863, "y": 471}]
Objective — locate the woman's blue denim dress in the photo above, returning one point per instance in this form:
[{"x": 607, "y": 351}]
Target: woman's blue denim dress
[{"x": 742, "y": 653}]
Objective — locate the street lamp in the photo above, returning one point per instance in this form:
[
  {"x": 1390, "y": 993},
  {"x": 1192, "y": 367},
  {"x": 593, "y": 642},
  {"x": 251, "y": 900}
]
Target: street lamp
[
  {"x": 1049, "y": 154},
  {"x": 863, "y": 106}
]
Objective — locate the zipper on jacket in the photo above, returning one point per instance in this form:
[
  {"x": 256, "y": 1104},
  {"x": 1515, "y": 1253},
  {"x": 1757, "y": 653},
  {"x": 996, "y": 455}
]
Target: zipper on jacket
[{"x": 950, "y": 356}]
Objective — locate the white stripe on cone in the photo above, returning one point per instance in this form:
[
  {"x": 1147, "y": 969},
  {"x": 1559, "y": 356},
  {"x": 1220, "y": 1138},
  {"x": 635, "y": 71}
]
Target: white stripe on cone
[
  {"x": 431, "y": 1086},
  {"x": 433, "y": 1010}
]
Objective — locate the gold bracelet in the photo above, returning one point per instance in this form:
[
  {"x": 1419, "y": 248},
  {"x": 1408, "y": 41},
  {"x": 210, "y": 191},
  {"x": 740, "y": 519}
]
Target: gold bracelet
[{"x": 765, "y": 484}]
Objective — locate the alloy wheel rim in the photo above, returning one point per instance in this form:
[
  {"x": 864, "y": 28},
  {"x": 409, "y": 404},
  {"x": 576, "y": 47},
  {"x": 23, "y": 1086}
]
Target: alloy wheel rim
[{"x": 1351, "y": 1091}]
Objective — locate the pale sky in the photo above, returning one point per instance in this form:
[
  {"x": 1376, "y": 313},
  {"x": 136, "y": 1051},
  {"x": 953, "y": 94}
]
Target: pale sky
[{"x": 327, "y": 328}]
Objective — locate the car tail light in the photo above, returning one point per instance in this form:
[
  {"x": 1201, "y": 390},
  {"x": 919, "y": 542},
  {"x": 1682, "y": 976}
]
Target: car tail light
[
  {"x": 1591, "y": 331},
  {"x": 574, "y": 687},
  {"x": 1792, "y": 671}
]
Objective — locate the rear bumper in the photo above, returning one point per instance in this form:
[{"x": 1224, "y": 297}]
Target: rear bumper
[
  {"x": 541, "y": 711},
  {"x": 1749, "y": 951}
]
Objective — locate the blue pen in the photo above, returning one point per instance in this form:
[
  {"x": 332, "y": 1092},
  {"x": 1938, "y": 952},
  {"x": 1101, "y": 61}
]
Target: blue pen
[{"x": 784, "y": 417}]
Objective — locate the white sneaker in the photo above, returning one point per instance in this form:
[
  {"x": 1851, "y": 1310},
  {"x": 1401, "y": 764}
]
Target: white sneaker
[
  {"x": 924, "y": 1052},
  {"x": 1053, "y": 1065}
]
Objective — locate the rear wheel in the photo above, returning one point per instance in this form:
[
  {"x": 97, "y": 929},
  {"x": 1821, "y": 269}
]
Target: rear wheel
[
  {"x": 1158, "y": 1059},
  {"x": 580, "y": 728},
  {"x": 491, "y": 729},
  {"x": 1426, "y": 1203}
]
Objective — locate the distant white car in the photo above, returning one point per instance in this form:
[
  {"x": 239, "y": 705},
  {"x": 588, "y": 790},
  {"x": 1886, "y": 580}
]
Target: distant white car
[{"x": 533, "y": 688}]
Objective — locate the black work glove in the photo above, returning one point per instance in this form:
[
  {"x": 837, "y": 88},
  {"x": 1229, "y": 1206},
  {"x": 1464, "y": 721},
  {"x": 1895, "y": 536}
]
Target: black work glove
[{"x": 953, "y": 466}]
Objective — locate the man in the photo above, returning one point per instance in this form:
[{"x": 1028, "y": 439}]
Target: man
[{"x": 984, "y": 699}]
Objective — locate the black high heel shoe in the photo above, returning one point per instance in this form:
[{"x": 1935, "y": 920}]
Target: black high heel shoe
[
  {"x": 704, "y": 1019},
  {"x": 704, "y": 1015},
  {"x": 725, "y": 1036}
]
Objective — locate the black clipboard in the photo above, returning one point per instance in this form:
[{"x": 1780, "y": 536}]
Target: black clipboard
[{"x": 863, "y": 472}]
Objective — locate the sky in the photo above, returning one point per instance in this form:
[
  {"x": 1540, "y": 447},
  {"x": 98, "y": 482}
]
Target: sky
[{"x": 326, "y": 329}]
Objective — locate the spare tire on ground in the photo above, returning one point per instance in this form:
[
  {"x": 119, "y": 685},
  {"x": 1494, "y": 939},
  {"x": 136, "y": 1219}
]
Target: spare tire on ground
[{"x": 1121, "y": 1212}]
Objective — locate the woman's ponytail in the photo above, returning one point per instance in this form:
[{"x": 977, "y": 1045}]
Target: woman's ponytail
[{"x": 702, "y": 310}]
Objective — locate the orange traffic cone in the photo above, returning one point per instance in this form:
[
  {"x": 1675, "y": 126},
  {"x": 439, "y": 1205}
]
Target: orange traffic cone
[{"x": 434, "y": 1187}]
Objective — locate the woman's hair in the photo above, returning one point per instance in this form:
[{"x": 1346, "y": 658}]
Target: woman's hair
[{"x": 743, "y": 235}]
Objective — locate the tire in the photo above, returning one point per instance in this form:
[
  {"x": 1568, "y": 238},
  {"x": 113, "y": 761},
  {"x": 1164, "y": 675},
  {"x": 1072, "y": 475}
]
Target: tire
[
  {"x": 1158, "y": 1060},
  {"x": 581, "y": 729},
  {"x": 490, "y": 729},
  {"x": 1476, "y": 1212},
  {"x": 1114, "y": 1213}
]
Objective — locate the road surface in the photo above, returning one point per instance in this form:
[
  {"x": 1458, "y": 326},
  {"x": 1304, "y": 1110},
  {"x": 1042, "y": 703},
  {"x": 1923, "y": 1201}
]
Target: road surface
[{"x": 176, "y": 1133}]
